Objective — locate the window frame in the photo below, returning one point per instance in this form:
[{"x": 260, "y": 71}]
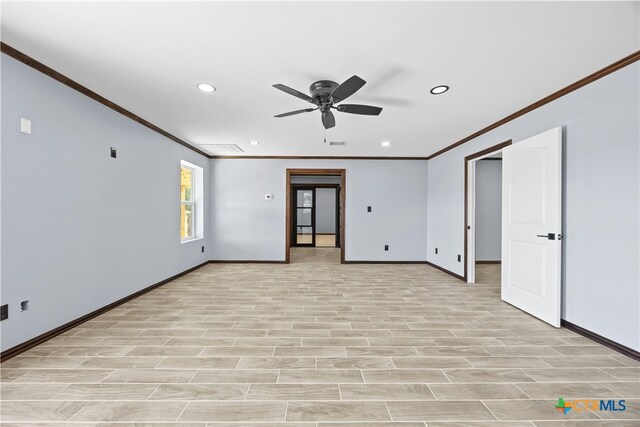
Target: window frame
[{"x": 191, "y": 203}]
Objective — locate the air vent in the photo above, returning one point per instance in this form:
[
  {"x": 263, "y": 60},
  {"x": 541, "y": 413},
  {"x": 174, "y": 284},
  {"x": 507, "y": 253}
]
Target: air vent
[
  {"x": 337, "y": 142},
  {"x": 222, "y": 148}
]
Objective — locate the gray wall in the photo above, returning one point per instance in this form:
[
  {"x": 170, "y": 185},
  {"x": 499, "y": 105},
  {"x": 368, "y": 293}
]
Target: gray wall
[
  {"x": 601, "y": 204},
  {"x": 325, "y": 210},
  {"x": 311, "y": 179},
  {"x": 488, "y": 210},
  {"x": 245, "y": 226},
  {"x": 80, "y": 229}
]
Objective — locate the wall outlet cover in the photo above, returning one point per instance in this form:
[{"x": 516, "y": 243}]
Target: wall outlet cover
[{"x": 4, "y": 312}]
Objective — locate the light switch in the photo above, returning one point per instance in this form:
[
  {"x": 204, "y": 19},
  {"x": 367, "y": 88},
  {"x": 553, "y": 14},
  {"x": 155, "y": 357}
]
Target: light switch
[{"x": 25, "y": 126}]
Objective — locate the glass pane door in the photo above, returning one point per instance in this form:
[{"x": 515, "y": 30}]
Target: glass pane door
[{"x": 304, "y": 217}]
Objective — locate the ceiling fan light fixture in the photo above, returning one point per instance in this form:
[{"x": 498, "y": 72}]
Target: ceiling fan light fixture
[
  {"x": 386, "y": 143},
  {"x": 439, "y": 89},
  {"x": 325, "y": 94},
  {"x": 206, "y": 87}
]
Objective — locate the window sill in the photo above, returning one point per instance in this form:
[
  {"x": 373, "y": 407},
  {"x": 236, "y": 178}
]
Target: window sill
[{"x": 195, "y": 239}]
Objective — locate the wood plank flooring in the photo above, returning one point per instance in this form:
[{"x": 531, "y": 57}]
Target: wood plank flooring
[
  {"x": 316, "y": 343},
  {"x": 322, "y": 240}
]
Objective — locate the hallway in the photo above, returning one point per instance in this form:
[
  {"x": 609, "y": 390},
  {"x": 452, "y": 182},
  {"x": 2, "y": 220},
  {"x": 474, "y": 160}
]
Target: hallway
[{"x": 316, "y": 341}]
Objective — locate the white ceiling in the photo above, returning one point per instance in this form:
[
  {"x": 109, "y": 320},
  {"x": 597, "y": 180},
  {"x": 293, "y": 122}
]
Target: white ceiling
[{"x": 497, "y": 57}]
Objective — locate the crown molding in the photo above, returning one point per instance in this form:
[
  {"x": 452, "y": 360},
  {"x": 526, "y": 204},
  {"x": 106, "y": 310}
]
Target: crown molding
[
  {"x": 319, "y": 157},
  {"x": 627, "y": 60},
  {"x": 48, "y": 71},
  {"x": 37, "y": 65}
]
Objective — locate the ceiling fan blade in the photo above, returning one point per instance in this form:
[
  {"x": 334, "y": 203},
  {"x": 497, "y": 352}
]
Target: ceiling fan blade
[
  {"x": 367, "y": 110},
  {"x": 346, "y": 89},
  {"x": 328, "y": 121},
  {"x": 291, "y": 113},
  {"x": 293, "y": 92}
]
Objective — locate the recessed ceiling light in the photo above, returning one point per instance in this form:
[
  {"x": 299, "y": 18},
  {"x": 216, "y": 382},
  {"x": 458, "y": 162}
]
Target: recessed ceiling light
[
  {"x": 206, "y": 87},
  {"x": 386, "y": 143},
  {"x": 439, "y": 89},
  {"x": 254, "y": 143}
]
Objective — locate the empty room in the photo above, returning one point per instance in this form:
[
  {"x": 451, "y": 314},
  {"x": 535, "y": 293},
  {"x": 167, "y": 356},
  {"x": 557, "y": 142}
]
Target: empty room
[{"x": 320, "y": 214}]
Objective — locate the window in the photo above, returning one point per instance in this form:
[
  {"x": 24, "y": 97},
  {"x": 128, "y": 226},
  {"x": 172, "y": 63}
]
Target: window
[
  {"x": 191, "y": 202},
  {"x": 187, "y": 203}
]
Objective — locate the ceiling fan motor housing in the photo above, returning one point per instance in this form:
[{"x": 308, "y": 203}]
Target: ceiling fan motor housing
[{"x": 322, "y": 89}]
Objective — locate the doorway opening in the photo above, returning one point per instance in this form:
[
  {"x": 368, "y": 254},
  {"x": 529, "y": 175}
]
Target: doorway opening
[
  {"x": 315, "y": 211},
  {"x": 531, "y": 223},
  {"x": 316, "y": 215},
  {"x": 483, "y": 209}
]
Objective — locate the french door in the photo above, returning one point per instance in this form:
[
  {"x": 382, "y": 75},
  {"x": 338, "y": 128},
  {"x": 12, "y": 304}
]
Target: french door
[{"x": 304, "y": 216}]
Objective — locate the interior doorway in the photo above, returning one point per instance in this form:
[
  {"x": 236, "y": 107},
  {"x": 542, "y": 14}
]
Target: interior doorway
[
  {"x": 316, "y": 215},
  {"x": 483, "y": 207},
  {"x": 315, "y": 209},
  {"x": 531, "y": 223}
]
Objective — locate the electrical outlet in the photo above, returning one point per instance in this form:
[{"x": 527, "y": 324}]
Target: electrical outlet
[
  {"x": 24, "y": 305},
  {"x": 368, "y": 208},
  {"x": 459, "y": 258},
  {"x": 114, "y": 153},
  {"x": 203, "y": 249},
  {"x": 386, "y": 247},
  {"x": 4, "y": 312},
  {"x": 436, "y": 251}
]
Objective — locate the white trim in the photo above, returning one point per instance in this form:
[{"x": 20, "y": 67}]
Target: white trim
[
  {"x": 191, "y": 239},
  {"x": 191, "y": 234},
  {"x": 471, "y": 215},
  {"x": 196, "y": 202},
  {"x": 471, "y": 221}
]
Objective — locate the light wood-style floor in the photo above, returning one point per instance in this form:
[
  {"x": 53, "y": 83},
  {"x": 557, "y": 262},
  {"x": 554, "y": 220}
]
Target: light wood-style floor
[
  {"x": 328, "y": 240},
  {"x": 316, "y": 343}
]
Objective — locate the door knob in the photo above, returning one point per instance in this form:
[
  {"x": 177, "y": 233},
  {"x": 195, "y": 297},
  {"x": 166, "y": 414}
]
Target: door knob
[{"x": 550, "y": 236}]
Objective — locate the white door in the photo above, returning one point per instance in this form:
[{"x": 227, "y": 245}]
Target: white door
[{"x": 531, "y": 225}]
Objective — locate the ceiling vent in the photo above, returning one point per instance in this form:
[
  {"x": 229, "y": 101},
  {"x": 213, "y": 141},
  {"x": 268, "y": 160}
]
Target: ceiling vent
[
  {"x": 222, "y": 148},
  {"x": 337, "y": 142}
]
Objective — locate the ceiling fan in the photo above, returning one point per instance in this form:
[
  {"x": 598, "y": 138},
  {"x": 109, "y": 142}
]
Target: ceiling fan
[{"x": 326, "y": 93}]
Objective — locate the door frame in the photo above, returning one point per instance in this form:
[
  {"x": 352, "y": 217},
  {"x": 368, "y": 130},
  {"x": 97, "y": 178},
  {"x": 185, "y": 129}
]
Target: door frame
[
  {"x": 342, "y": 173},
  {"x": 469, "y": 207}
]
